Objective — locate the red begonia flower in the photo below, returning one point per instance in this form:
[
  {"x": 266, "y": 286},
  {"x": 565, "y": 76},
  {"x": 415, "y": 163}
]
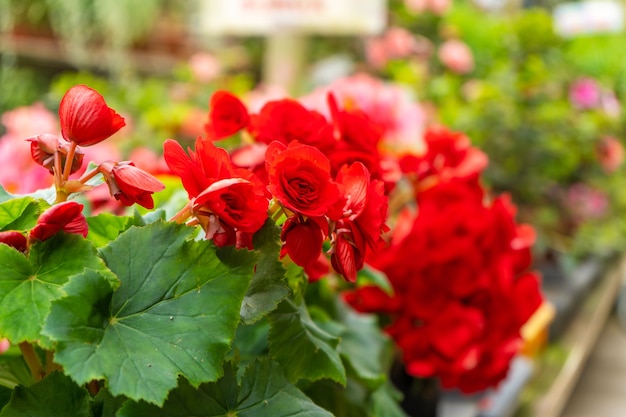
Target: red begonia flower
[
  {"x": 129, "y": 184},
  {"x": 85, "y": 117},
  {"x": 14, "y": 239},
  {"x": 227, "y": 116},
  {"x": 236, "y": 202},
  {"x": 299, "y": 177},
  {"x": 197, "y": 170},
  {"x": 303, "y": 239},
  {"x": 43, "y": 147},
  {"x": 66, "y": 216},
  {"x": 289, "y": 121},
  {"x": 348, "y": 252}
]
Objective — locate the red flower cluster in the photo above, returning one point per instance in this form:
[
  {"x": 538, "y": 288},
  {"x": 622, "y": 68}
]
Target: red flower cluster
[
  {"x": 459, "y": 271},
  {"x": 86, "y": 120},
  {"x": 287, "y": 169}
]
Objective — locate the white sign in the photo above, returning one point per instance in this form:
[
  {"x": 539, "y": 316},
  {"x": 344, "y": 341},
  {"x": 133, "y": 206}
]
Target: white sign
[
  {"x": 588, "y": 17},
  {"x": 266, "y": 17}
]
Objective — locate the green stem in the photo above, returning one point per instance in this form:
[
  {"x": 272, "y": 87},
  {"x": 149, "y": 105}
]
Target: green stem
[{"x": 32, "y": 360}]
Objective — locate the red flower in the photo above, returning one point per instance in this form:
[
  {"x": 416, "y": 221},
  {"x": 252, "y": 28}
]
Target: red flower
[
  {"x": 14, "y": 239},
  {"x": 289, "y": 121},
  {"x": 227, "y": 200},
  {"x": 227, "y": 116},
  {"x": 299, "y": 177},
  {"x": 66, "y": 216},
  {"x": 236, "y": 202},
  {"x": 129, "y": 184},
  {"x": 85, "y": 117},
  {"x": 449, "y": 155},
  {"x": 199, "y": 169},
  {"x": 43, "y": 147},
  {"x": 303, "y": 239},
  {"x": 362, "y": 219}
]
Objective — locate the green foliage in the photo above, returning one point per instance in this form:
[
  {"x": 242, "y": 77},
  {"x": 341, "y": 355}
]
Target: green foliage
[
  {"x": 262, "y": 391},
  {"x": 175, "y": 313},
  {"x": 55, "y": 396},
  {"x": 29, "y": 284},
  {"x": 303, "y": 349}
]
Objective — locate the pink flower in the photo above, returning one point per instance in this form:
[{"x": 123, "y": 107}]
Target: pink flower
[
  {"x": 204, "y": 67},
  {"x": 585, "y": 93},
  {"x": 456, "y": 56}
]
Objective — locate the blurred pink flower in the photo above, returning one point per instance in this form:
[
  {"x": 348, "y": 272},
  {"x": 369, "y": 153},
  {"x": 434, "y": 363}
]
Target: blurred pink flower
[
  {"x": 205, "y": 67},
  {"x": 456, "y": 56},
  {"x": 610, "y": 104},
  {"x": 399, "y": 42},
  {"x": 4, "y": 345},
  {"x": 437, "y": 7},
  {"x": 376, "y": 52},
  {"x": 610, "y": 153},
  {"x": 585, "y": 93},
  {"x": 19, "y": 173},
  {"x": 586, "y": 202},
  {"x": 388, "y": 105}
]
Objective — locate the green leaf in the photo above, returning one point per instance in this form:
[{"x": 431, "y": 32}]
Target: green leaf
[
  {"x": 385, "y": 402},
  {"x": 14, "y": 371},
  {"x": 20, "y": 213},
  {"x": 303, "y": 349},
  {"x": 105, "y": 404},
  {"x": 264, "y": 391},
  {"x": 175, "y": 313},
  {"x": 371, "y": 276},
  {"x": 28, "y": 285},
  {"x": 362, "y": 345},
  {"x": 268, "y": 286},
  {"x": 5, "y": 195},
  {"x": 106, "y": 227},
  {"x": 55, "y": 396}
]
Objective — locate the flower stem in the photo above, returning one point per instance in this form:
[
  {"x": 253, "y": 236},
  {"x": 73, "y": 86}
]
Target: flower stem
[
  {"x": 182, "y": 215},
  {"x": 89, "y": 175},
  {"x": 32, "y": 360},
  {"x": 69, "y": 161},
  {"x": 93, "y": 387},
  {"x": 51, "y": 366}
]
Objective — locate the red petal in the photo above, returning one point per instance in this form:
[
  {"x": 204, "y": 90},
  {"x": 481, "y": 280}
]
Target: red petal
[
  {"x": 227, "y": 115},
  {"x": 85, "y": 117},
  {"x": 14, "y": 239},
  {"x": 66, "y": 216}
]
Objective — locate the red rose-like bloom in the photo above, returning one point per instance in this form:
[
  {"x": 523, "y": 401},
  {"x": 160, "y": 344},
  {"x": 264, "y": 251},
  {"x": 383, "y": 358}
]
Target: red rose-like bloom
[
  {"x": 66, "y": 216},
  {"x": 289, "y": 121},
  {"x": 236, "y": 202},
  {"x": 129, "y": 184},
  {"x": 14, "y": 239},
  {"x": 85, "y": 117},
  {"x": 227, "y": 116},
  {"x": 299, "y": 177}
]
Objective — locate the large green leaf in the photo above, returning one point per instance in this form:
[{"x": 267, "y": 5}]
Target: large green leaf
[
  {"x": 268, "y": 286},
  {"x": 20, "y": 213},
  {"x": 362, "y": 345},
  {"x": 28, "y": 285},
  {"x": 303, "y": 349},
  {"x": 264, "y": 392},
  {"x": 175, "y": 313},
  {"x": 55, "y": 396}
]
